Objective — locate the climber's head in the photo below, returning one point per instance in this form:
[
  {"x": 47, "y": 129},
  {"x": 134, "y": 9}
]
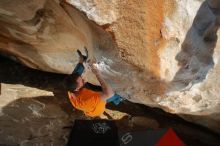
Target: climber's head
[{"x": 74, "y": 82}]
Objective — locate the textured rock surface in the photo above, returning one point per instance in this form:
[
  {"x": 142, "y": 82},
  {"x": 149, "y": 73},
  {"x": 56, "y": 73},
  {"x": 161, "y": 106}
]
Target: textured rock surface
[
  {"x": 161, "y": 53},
  {"x": 35, "y": 112},
  {"x": 44, "y": 36}
]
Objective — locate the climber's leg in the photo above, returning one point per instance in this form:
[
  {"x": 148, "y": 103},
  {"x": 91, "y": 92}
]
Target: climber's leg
[
  {"x": 79, "y": 69},
  {"x": 116, "y": 99}
]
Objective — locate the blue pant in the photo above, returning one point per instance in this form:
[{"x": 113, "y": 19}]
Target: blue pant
[
  {"x": 116, "y": 99},
  {"x": 79, "y": 69}
]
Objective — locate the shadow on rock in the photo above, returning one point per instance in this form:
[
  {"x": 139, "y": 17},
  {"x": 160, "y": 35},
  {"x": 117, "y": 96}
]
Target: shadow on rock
[{"x": 196, "y": 55}]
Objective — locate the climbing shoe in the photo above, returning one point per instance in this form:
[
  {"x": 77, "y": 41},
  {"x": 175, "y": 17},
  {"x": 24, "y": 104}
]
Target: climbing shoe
[{"x": 83, "y": 57}]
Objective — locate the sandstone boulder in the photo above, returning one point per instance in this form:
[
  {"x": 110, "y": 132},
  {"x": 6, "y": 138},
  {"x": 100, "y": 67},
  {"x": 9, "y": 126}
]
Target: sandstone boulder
[{"x": 159, "y": 53}]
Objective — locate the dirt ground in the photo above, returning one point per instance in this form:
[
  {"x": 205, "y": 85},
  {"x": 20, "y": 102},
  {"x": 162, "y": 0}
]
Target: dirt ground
[{"x": 35, "y": 111}]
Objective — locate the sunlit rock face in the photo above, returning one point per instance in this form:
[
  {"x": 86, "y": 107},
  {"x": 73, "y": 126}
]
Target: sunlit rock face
[
  {"x": 161, "y": 53},
  {"x": 41, "y": 34}
]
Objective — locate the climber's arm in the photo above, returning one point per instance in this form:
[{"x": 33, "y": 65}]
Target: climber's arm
[{"x": 107, "y": 91}]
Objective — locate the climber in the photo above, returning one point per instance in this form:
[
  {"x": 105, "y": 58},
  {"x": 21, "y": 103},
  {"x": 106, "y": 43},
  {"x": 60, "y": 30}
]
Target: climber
[{"x": 89, "y": 98}]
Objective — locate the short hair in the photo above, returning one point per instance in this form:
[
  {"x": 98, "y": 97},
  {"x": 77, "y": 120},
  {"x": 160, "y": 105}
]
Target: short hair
[{"x": 70, "y": 82}]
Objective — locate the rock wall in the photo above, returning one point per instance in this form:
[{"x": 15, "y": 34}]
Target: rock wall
[
  {"x": 161, "y": 53},
  {"x": 41, "y": 34}
]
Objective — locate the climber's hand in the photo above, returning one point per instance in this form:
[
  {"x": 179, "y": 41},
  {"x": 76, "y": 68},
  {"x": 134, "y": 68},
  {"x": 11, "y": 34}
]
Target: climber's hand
[
  {"x": 93, "y": 66},
  {"x": 91, "y": 62},
  {"x": 95, "y": 70}
]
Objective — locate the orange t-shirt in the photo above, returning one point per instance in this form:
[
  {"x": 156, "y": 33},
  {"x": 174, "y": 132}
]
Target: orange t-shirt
[{"x": 89, "y": 102}]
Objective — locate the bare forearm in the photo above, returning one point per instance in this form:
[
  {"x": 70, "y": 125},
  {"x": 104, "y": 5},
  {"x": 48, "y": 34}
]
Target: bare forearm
[
  {"x": 105, "y": 86},
  {"x": 101, "y": 81},
  {"x": 107, "y": 91}
]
